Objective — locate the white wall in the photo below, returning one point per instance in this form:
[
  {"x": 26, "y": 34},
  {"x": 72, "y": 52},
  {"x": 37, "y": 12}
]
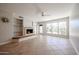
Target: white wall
[
  {"x": 74, "y": 28},
  {"x": 6, "y": 29},
  {"x": 27, "y": 22}
]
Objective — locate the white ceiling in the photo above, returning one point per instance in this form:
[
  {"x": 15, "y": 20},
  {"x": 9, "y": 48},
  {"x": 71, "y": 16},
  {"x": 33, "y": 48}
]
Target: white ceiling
[{"x": 33, "y": 11}]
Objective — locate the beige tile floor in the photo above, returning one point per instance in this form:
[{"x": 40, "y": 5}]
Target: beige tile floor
[{"x": 40, "y": 45}]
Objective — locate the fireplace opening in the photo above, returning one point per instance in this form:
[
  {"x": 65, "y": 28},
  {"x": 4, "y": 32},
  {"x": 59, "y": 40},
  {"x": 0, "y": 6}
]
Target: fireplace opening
[{"x": 28, "y": 31}]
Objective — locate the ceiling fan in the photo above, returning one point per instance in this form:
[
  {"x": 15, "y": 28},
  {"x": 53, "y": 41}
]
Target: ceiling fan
[
  {"x": 40, "y": 11},
  {"x": 44, "y": 14}
]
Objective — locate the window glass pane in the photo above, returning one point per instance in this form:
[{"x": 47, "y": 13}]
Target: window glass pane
[
  {"x": 55, "y": 28},
  {"x": 49, "y": 28},
  {"x": 62, "y": 28}
]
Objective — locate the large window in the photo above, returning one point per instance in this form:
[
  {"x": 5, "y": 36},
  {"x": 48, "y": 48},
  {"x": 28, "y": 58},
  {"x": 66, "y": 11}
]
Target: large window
[
  {"x": 57, "y": 27},
  {"x": 62, "y": 28},
  {"x": 49, "y": 28}
]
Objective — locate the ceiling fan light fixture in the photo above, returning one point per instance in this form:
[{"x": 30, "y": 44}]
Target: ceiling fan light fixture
[{"x": 42, "y": 13}]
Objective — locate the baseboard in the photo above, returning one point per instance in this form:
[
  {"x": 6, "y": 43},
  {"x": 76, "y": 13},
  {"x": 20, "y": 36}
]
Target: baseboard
[
  {"x": 5, "y": 42},
  {"x": 74, "y": 47}
]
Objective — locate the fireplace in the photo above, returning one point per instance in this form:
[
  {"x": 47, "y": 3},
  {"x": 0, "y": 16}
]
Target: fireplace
[{"x": 29, "y": 31}]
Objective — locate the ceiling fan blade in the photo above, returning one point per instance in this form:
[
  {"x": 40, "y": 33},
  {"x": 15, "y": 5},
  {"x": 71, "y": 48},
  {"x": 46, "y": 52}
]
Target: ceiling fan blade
[{"x": 45, "y": 14}]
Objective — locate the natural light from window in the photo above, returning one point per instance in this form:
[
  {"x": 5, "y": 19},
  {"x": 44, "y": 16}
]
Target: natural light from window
[{"x": 57, "y": 28}]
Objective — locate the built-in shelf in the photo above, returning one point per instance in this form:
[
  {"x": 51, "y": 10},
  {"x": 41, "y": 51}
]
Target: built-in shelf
[{"x": 18, "y": 27}]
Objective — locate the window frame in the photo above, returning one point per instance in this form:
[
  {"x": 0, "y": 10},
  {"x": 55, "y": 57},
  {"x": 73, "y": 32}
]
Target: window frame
[{"x": 57, "y": 21}]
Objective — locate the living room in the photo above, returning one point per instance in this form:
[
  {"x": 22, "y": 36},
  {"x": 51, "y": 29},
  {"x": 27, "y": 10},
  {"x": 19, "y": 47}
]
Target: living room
[{"x": 39, "y": 29}]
